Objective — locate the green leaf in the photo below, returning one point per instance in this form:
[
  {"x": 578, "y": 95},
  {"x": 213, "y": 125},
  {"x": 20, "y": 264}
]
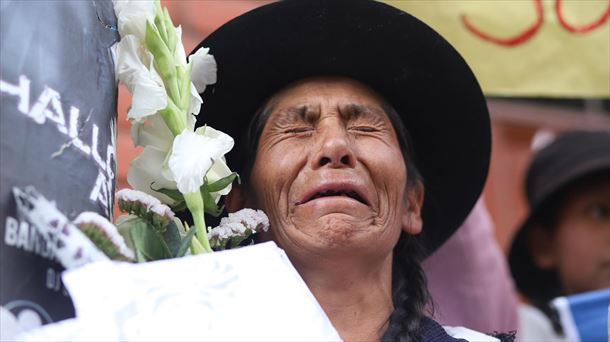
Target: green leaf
[
  {"x": 175, "y": 195},
  {"x": 149, "y": 244},
  {"x": 221, "y": 183},
  {"x": 123, "y": 224},
  {"x": 124, "y": 220},
  {"x": 209, "y": 205},
  {"x": 171, "y": 193},
  {"x": 172, "y": 238},
  {"x": 181, "y": 206},
  {"x": 140, "y": 257},
  {"x": 186, "y": 242}
]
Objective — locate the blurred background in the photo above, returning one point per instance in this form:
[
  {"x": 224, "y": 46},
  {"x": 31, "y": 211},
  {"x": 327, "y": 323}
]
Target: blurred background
[{"x": 544, "y": 66}]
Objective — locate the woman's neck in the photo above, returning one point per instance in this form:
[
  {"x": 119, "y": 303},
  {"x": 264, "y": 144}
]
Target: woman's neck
[{"x": 357, "y": 299}]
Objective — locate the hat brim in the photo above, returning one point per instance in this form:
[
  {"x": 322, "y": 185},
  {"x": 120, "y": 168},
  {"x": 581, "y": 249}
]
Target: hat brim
[{"x": 419, "y": 73}]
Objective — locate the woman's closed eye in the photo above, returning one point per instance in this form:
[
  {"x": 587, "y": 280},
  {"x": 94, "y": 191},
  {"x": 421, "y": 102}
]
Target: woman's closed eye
[
  {"x": 299, "y": 130},
  {"x": 366, "y": 129},
  {"x": 599, "y": 211}
]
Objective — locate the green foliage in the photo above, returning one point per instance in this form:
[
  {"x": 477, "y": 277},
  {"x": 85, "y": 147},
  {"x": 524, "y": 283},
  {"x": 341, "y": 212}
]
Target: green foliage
[
  {"x": 221, "y": 183},
  {"x": 209, "y": 205},
  {"x": 149, "y": 244},
  {"x": 186, "y": 242},
  {"x": 179, "y": 203},
  {"x": 172, "y": 238}
]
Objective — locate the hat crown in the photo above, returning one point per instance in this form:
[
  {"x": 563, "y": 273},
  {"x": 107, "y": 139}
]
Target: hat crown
[
  {"x": 411, "y": 66},
  {"x": 570, "y": 157}
]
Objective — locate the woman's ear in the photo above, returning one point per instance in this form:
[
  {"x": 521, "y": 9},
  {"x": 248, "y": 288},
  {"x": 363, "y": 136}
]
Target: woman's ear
[
  {"x": 236, "y": 199},
  {"x": 412, "y": 222},
  {"x": 541, "y": 244}
]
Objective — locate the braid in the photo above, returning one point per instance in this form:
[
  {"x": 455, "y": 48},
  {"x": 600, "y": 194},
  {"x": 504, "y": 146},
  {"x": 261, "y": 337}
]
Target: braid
[{"x": 410, "y": 294}]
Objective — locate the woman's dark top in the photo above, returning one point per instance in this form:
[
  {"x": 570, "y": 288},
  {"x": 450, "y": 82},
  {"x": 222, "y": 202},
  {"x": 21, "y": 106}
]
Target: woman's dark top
[{"x": 433, "y": 332}]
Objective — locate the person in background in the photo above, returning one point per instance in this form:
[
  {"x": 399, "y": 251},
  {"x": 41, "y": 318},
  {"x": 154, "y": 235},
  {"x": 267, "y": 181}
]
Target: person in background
[
  {"x": 563, "y": 247},
  {"x": 469, "y": 279}
]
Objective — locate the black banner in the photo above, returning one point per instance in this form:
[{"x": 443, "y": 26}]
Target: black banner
[{"x": 57, "y": 133}]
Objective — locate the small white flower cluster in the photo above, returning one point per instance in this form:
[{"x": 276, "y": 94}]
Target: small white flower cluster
[
  {"x": 238, "y": 225},
  {"x": 151, "y": 203},
  {"x": 106, "y": 228}
]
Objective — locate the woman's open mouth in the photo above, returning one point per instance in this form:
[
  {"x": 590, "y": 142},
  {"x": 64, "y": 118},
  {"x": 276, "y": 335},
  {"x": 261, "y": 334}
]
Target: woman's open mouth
[{"x": 335, "y": 190}]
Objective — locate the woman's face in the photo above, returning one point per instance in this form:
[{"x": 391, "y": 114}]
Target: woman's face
[{"x": 329, "y": 172}]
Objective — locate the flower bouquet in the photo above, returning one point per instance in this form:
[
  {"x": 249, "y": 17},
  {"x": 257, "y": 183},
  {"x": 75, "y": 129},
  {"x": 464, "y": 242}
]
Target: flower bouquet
[{"x": 181, "y": 168}]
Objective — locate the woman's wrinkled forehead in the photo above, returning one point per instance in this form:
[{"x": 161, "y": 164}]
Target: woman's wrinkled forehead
[{"x": 304, "y": 89}]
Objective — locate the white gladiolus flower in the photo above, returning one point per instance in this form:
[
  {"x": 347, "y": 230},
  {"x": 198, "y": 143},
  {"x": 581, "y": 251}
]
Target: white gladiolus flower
[
  {"x": 151, "y": 168},
  {"x": 147, "y": 172},
  {"x": 194, "y": 153},
  {"x": 218, "y": 171},
  {"x": 180, "y": 55},
  {"x": 203, "y": 73},
  {"x": 135, "y": 69},
  {"x": 204, "y": 69},
  {"x": 151, "y": 57},
  {"x": 152, "y": 132},
  {"x": 135, "y": 63},
  {"x": 132, "y": 15}
]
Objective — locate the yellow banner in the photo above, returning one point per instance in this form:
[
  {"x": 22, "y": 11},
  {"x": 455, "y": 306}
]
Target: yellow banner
[{"x": 550, "y": 48}]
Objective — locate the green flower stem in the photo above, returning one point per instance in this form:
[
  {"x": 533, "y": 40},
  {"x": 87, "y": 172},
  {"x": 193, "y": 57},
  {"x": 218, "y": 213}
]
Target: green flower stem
[
  {"x": 194, "y": 203},
  {"x": 161, "y": 40},
  {"x": 173, "y": 117},
  {"x": 196, "y": 247}
]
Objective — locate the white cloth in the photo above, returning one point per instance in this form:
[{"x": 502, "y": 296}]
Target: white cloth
[
  {"x": 535, "y": 326},
  {"x": 469, "y": 334},
  {"x": 248, "y": 294}
]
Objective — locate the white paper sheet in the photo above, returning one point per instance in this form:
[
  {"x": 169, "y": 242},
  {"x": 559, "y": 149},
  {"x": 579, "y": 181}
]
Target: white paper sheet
[{"x": 247, "y": 294}]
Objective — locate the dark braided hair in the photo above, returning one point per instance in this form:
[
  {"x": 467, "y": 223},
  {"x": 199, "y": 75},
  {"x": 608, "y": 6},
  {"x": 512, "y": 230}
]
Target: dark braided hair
[{"x": 410, "y": 295}]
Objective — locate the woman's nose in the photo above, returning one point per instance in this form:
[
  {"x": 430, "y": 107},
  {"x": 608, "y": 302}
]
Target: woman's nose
[{"x": 335, "y": 149}]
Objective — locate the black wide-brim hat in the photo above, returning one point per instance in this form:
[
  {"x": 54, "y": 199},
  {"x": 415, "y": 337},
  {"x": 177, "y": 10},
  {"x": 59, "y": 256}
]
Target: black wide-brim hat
[
  {"x": 571, "y": 157},
  {"x": 417, "y": 71}
]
